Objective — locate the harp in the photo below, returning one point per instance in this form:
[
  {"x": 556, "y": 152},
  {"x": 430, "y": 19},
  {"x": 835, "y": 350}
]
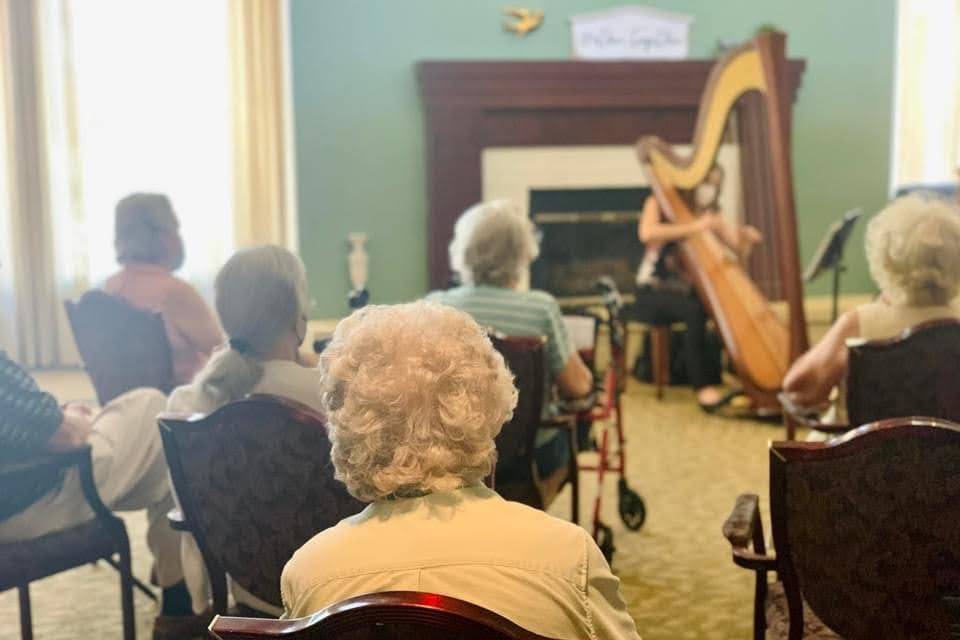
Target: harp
[{"x": 761, "y": 344}]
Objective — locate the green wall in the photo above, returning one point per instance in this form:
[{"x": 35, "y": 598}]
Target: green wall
[{"x": 359, "y": 124}]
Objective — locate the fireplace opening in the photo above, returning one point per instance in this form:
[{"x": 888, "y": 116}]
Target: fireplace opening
[{"x": 585, "y": 234}]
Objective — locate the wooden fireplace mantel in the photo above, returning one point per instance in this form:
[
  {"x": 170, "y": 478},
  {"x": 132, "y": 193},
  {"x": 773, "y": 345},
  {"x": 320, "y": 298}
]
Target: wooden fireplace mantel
[{"x": 470, "y": 106}]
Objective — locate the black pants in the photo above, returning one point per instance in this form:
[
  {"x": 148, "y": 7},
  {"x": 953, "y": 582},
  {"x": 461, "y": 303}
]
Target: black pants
[{"x": 666, "y": 307}]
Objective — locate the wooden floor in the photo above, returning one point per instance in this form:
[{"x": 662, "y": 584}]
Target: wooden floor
[{"x": 676, "y": 572}]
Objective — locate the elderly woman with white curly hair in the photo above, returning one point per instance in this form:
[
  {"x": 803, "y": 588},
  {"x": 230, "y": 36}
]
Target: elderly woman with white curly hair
[
  {"x": 415, "y": 395},
  {"x": 493, "y": 245},
  {"x": 913, "y": 249}
]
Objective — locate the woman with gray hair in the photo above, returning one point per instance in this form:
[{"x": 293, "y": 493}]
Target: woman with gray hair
[
  {"x": 150, "y": 249},
  {"x": 261, "y": 298},
  {"x": 415, "y": 395},
  {"x": 493, "y": 245},
  {"x": 913, "y": 250}
]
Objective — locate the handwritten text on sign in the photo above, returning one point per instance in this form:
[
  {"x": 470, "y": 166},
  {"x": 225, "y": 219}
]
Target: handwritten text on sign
[{"x": 629, "y": 35}]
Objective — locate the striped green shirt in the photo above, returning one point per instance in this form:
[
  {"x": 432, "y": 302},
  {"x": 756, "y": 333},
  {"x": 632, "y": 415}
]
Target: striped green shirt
[{"x": 514, "y": 313}]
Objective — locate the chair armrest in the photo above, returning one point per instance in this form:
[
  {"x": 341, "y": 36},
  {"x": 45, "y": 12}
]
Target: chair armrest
[
  {"x": 743, "y": 527},
  {"x": 738, "y": 528},
  {"x": 562, "y": 421},
  {"x": 230, "y": 628},
  {"x": 89, "y": 487},
  {"x": 578, "y": 405},
  {"x": 52, "y": 460},
  {"x": 176, "y": 520},
  {"x": 755, "y": 561},
  {"x": 50, "y": 463}
]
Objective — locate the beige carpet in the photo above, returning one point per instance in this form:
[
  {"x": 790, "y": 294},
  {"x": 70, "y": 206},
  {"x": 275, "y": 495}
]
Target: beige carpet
[{"x": 677, "y": 575}]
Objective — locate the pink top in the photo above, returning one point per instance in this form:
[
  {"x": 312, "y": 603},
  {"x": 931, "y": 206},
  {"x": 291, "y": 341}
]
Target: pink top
[{"x": 192, "y": 328}]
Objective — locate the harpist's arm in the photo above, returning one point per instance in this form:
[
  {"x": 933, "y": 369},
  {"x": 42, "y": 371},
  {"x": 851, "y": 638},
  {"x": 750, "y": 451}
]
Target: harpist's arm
[
  {"x": 812, "y": 377},
  {"x": 653, "y": 229}
]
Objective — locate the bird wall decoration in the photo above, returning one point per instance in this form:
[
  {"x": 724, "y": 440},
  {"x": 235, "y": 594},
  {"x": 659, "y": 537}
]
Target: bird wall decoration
[{"x": 525, "y": 20}]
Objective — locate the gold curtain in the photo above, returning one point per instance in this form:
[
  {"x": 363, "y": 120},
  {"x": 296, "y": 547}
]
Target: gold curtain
[
  {"x": 263, "y": 207},
  {"x": 32, "y": 309}
]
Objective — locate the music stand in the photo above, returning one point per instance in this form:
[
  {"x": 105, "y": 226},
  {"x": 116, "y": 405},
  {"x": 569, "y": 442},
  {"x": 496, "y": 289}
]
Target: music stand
[{"x": 829, "y": 255}]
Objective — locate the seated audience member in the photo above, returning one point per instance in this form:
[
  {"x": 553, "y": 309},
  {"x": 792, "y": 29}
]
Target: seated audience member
[
  {"x": 415, "y": 395},
  {"x": 492, "y": 248},
  {"x": 128, "y": 467},
  {"x": 913, "y": 250},
  {"x": 149, "y": 247},
  {"x": 261, "y": 298}
]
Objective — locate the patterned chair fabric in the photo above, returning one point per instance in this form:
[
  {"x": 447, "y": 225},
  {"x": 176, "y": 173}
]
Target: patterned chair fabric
[
  {"x": 122, "y": 347},
  {"x": 877, "y": 388},
  {"x": 255, "y": 482},
  {"x": 866, "y": 529},
  {"x": 381, "y": 616},
  {"x": 778, "y": 618}
]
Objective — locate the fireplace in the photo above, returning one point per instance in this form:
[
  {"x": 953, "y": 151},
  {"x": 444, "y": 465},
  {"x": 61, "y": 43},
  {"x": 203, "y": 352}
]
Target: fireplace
[
  {"x": 585, "y": 234},
  {"x": 475, "y": 108}
]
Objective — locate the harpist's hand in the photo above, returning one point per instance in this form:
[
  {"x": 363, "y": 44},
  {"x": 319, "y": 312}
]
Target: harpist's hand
[
  {"x": 750, "y": 235},
  {"x": 710, "y": 221}
]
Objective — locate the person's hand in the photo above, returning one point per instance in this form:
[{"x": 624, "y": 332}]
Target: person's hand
[
  {"x": 750, "y": 235},
  {"x": 74, "y": 430},
  {"x": 710, "y": 221},
  {"x": 76, "y": 405}
]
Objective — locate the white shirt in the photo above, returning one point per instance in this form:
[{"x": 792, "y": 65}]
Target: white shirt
[
  {"x": 543, "y": 573},
  {"x": 280, "y": 378}
]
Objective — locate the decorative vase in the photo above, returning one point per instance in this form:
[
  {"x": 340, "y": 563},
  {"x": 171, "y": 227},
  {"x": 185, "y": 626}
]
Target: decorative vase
[{"x": 357, "y": 265}]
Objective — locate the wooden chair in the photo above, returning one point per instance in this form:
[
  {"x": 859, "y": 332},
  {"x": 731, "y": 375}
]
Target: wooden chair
[
  {"x": 913, "y": 374},
  {"x": 659, "y": 345},
  {"x": 103, "y": 537},
  {"x": 516, "y": 442},
  {"x": 866, "y": 535},
  {"x": 122, "y": 347},
  {"x": 254, "y": 482},
  {"x": 382, "y": 616},
  {"x": 660, "y": 356}
]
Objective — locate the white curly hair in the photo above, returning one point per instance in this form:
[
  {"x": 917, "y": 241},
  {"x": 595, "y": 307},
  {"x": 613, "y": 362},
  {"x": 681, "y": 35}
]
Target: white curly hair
[
  {"x": 493, "y": 244},
  {"x": 414, "y": 396},
  {"x": 913, "y": 250}
]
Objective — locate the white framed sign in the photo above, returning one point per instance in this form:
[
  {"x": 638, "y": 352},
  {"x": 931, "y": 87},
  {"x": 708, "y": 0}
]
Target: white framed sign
[{"x": 631, "y": 33}]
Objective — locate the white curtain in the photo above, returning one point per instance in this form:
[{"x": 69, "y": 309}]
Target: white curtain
[{"x": 927, "y": 127}]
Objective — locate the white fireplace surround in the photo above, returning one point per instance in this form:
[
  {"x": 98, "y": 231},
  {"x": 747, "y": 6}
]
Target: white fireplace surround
[{"x": 513, "y": 172}]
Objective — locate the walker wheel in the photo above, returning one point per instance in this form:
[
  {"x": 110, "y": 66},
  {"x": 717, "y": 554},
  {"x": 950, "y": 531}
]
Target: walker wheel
[
  {"x": 605, "y": 541},
  {"x": 633, "y": 511}
]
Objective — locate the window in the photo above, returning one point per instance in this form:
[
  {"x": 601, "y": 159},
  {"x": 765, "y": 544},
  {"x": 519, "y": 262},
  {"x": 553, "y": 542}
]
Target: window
[
  {"x": 138, "y": 100},
  {"x": 927, "y": 124}
]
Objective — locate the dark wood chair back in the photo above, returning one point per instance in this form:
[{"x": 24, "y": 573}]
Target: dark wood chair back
[
  {"x": 914, "y": 374},
  {"x": 255, "y": 482},
  {"x": 122, "y": 347},
  {"x": 382, "y": 616},
  {"x": 516, "y": 441},
  {"x": 865, "y": 529}
]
